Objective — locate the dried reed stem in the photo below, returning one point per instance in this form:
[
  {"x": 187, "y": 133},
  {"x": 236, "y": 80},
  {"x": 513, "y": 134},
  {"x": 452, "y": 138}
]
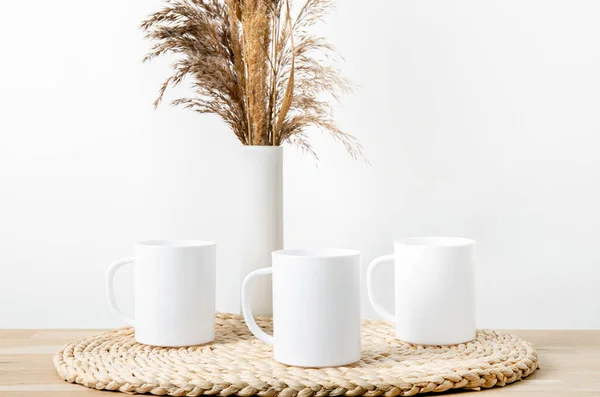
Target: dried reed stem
[{"x": 253, "y": 65}]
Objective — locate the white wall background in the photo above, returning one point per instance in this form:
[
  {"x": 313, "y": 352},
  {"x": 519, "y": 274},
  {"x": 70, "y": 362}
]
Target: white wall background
[{"x": 479, "y": 118}]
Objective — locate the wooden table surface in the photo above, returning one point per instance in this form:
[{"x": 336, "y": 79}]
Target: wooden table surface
[{"x": 569, "y": 365}]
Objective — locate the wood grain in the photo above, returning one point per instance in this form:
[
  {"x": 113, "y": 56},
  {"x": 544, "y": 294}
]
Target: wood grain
[{"x": 569, "y": 365}]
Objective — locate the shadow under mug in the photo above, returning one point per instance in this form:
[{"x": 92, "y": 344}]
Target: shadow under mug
[
  {"x": 434, "y": 290},
  {"x": 316, "y": 307},
  {"x": 174, "y": 292}
]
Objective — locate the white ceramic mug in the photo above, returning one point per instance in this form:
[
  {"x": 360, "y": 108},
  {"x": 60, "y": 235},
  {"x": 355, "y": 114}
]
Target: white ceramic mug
[
  {"x": 434, "y": 290},
  {"x": 174, "y": 292},
  {"x": 316, "y": 307}
]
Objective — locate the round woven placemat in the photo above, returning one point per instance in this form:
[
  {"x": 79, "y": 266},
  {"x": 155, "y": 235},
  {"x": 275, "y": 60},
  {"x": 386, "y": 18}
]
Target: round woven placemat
[{"x": 237, "y": 363}]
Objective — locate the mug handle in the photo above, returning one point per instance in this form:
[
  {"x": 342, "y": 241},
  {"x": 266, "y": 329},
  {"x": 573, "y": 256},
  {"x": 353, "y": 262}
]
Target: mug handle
[
  {"x": 247, "y": 310},
  {"x": 370, "y": 288},
  {"x": 110, "y": 293}
]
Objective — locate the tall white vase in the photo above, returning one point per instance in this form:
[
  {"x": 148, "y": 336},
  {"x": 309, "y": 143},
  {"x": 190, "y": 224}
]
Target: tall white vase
[{"x": 261, "y": 223}]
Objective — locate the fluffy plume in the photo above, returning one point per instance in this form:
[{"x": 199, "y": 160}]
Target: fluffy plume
[{"x": 254, "y": 65}]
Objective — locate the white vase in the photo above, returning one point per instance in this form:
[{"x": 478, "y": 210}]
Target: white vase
[{"x": 261, "y": 222}]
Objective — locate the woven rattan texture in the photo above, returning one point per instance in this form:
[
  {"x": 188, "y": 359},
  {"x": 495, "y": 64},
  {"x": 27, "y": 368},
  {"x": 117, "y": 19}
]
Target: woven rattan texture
[{"x": 236, "y": 363}]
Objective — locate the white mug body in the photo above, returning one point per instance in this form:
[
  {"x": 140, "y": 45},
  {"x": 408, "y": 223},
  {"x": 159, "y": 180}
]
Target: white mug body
[
  {"x": 174, "y": 292},
  {"x": 316, "y": 307},
  {"x": 435, "y": 290}
]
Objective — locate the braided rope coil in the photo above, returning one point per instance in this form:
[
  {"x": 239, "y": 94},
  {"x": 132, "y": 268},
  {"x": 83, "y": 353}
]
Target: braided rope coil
[{"x": 238, "y": 364}]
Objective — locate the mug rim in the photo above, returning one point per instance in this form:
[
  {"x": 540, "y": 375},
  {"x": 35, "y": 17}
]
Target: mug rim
[
  {"x": 320, "y": 253},
  {"x": 175, "y": 243},
  {"x": 436, "y": 241}
]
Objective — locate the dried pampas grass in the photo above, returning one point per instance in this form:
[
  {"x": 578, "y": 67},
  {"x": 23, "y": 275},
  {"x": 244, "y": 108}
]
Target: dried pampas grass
[{"x": 253, "y": 65}]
